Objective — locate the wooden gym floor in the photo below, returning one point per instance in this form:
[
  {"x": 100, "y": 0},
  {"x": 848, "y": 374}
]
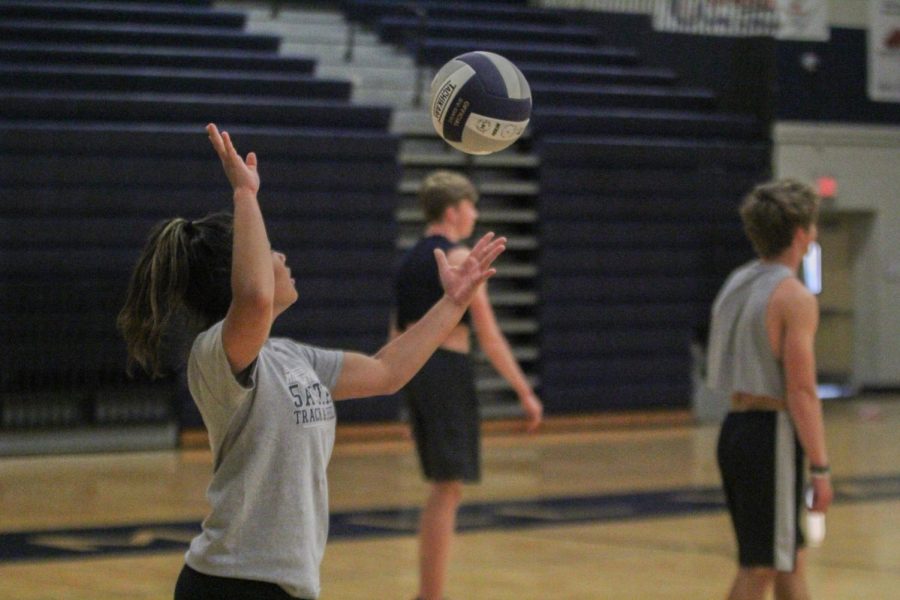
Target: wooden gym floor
[{"x": 619, "y": 507}]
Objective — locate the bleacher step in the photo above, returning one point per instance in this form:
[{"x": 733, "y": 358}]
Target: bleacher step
[
  {"x": 118, "y": 12},
  {"x": 662, "y": 122},
  {"x": 632, "y": 96},
  {"x": 486, "y": 216},
  {"x": 586, "y": 74},
  {"x": 312, "y": 32},
  {"x": 371, "y": 56},
  {"x": 655, "y": 151},
  {"x": 195, "y": 108},
  {"x": 24, "y": 30},
  {"x": 378, "y": 77},
  {"x": 404, "y": 30},
  {"x": 440, "y": 51},
  {"x": 467, "y": 9},
  {"x": 498, "y": 384},
  {"x": 518, "y": 188},
  {"x": 150, "y": 57},
  {"x": 172, "y": 80},
  {"x": 514, "y": 243},
  {"x": 440, "y": 154}
]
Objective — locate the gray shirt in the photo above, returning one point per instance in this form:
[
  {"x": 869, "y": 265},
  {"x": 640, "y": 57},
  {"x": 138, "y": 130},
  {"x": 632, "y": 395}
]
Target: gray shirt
[
  {"x": 272, "y": 432},
  {"x": 740, "y": 357}
]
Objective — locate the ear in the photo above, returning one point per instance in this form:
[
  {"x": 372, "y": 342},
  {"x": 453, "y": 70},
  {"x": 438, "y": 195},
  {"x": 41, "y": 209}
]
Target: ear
[
  {"x": 802, "y": 237},
  {"x": 451, "y": 214}
]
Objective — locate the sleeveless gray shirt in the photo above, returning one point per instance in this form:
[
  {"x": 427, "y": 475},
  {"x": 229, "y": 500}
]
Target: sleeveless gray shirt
[{"x": 739, "y": 356}]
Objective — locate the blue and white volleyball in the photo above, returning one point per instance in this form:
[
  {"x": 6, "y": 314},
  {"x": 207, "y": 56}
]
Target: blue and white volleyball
[{"x": 480, "y": 102}]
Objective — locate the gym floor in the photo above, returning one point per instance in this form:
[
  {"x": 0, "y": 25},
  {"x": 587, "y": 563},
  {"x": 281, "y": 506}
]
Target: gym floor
[{"x": 618, "y": 507}]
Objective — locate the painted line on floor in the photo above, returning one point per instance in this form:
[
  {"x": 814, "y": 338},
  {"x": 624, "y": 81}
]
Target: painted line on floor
[{"x": 348, "y": 525}]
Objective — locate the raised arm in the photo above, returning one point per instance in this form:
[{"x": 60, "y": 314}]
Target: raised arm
[
  {"x": 800, "y": 316},
  {"x": 395, "y": 364},
  {"x": 249, "y": 319}
]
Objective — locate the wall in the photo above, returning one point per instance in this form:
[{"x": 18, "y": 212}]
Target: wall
[
  {"x": 848, "y": 13},
  {"x": 865, "y": 159},
  {"x": 826, "y": 124},
  {"x": 841, "y": 13}
]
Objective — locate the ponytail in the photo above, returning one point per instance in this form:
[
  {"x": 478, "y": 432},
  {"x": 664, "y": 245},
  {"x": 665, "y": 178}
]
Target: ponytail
[{"x": 184, "y": 266}]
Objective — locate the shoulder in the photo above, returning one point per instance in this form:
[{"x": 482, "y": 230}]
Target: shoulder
[
  {"x": 792, "y": 290},
  {"x": 291, "y": 352},
  {"x": 209, "y": 373},
  {"x": 207, "y": 341},
  {"x": 738, "y": 276},
  {"x": 285, "y": 349},
  {"x": 793, "y": 301}
]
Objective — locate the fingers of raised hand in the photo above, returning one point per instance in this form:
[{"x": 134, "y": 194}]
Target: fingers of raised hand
[
  {"x": 492, "y": 251},
  {"x": 482, "y": 243},
  {"x": 482, "y": 260},
  {"x": 229, "y": 145},
  {"x": 222, "y": 143},
  {"x": 484, "y": 275},
  {"x": 487, "y": 247},
  {"x": 441, "y": 259},
  {"x": 216, "y": 139}
]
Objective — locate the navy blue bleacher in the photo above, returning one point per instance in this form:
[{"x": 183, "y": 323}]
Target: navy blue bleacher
[
  {"x": 638, "y": 228},
  {"x": 439, "y": 51},
  {"x": 102, "y": 110},
  {"x": 215, "y": 59},
  {"x": 397, "y": 29},
  {"x": 157, "y": 13},
  {"x": 511, "y": 13},
  {"x": 642, "y": 164}
]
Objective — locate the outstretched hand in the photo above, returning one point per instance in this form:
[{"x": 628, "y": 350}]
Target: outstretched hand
[
  {"x": 462, "y": 281},
  {"x": 241, "y": 174}
]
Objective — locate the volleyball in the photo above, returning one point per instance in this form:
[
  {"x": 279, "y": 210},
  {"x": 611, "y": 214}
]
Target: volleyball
[{"x": 480, "y": 102}]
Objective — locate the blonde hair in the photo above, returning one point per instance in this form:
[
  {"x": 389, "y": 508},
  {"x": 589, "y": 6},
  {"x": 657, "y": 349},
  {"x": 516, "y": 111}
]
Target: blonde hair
[
  {"x": 442, "y": 189},
  {"x": 184, "y": 270},
  {"x": 773, "y": 211}
]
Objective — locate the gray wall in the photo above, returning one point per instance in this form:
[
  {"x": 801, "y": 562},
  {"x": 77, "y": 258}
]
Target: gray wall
[
  {"x": 848, "y": 13},
  {"x": 866, "y": 162}
]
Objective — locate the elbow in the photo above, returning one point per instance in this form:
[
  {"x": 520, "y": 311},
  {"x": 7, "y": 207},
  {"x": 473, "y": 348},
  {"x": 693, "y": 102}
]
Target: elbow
[
  {"x": 385, "y": 380},
  {"x": 393, "y": 385},
  {"x": 801, "y": 397},
  {"x": 255, "y": 300}
]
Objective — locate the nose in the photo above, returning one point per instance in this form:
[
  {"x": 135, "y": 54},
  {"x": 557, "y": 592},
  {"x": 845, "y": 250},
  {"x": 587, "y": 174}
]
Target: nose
[{"x": 281, "y": 256}]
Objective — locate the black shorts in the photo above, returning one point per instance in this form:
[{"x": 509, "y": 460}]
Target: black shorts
[
  {"x": 194, "y": 585},
  {"x": 443, "y": 410},
  {"x": 761, "y": 462}
]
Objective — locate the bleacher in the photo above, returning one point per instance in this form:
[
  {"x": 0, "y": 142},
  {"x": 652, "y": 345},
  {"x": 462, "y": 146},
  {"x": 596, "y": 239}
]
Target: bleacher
[
  {"x": 641, "y": 170},
  {"x": 102, "y": 105},
  {"x": 102, "y": 109}
]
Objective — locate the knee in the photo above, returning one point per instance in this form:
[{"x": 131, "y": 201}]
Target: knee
[
  {"x": 449, "y": 491},
  {"x": 762, "y": 575}
]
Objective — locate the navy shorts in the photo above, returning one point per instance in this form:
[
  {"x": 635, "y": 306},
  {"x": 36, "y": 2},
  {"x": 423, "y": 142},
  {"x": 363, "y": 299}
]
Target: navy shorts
[
  {"x": 443, "y": 410},
  {"x": 761, "y": 463}
]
